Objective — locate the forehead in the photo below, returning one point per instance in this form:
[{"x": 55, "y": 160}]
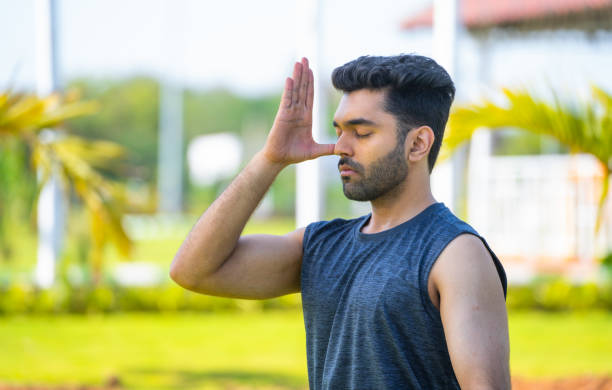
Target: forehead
[{"x": 363, "y": 103}]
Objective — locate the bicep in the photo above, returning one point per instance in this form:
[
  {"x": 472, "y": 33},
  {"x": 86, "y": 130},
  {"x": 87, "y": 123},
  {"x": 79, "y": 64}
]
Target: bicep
[
  {"x": 261, "y": 266},
  {"x": 473, "y": 312}
]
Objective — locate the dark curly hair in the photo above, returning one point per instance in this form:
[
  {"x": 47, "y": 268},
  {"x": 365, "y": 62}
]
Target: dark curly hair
[{"x": 419, "y": 91}]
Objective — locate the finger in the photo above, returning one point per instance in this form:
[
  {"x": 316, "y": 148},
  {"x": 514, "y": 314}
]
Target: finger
[
  {"x": 323, "y": 150},
  {"x": 310, "y": 95},
  {"x": 305, "y": 80},
  {"x": 297, "y": 79},
  {"x": 286, "y": 98}
]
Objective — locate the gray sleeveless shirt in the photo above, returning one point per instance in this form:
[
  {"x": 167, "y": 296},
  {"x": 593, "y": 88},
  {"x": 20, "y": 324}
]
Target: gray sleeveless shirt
[{"x": 369, "y": 321}]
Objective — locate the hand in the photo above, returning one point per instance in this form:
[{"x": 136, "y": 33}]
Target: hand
[{"x": 290, "y": 139}]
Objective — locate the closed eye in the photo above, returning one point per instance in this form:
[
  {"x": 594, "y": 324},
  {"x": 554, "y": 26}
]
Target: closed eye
[{"x": 362, "y": 135}]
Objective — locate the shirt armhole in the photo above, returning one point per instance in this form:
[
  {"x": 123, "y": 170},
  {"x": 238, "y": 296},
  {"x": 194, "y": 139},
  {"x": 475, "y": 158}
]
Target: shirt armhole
[{"x": 430, "y": 308}]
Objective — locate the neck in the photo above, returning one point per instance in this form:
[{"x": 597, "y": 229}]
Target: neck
[{"x": 401, "y": 204}]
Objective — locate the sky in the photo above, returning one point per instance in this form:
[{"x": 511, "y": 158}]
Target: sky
[
  {"x": 247, "y": 46},
  {"x": 250, "y": 46}
]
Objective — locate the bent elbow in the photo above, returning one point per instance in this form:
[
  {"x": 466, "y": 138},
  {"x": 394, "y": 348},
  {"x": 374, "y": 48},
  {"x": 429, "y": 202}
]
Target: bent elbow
[
  {"x": 188, "y": 276},
  {"x": 178, "y": 275}
]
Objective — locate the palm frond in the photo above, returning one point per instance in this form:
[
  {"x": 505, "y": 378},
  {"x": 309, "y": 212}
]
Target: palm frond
[
  {"x": 96, "y": 153},
  {"x": 578, "y": 126},
  {"x": 584, "y": 127},
  {"x": 76, "y": 159},
  {"x": 103, "y": 198},
  {"x": 605, "y": 101},
  {"x": 28, "y": 113}
]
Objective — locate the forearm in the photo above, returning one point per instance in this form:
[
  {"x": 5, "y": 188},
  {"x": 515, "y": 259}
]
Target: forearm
[{"x": 216, "y": 233}]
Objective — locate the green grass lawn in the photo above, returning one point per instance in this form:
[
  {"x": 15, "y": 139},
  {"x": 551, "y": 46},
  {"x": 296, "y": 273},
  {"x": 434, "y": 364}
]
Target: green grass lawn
[
  {"x": 215, "y": 351},
  {"x": 560, "y": 344},
  {"x": 248, "y": 350}
]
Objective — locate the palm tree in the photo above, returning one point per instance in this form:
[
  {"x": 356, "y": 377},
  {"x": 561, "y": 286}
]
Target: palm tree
[
  {"x": 22, "y": 117},
  {"x": 584, "y": 127}
]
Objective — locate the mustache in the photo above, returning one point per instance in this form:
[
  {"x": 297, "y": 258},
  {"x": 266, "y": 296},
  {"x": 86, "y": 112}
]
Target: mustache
[{"x": 353, "y": 164}]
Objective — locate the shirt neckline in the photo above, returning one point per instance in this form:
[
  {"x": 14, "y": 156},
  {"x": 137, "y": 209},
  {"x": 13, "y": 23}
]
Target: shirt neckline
[{"x": 383, "y": 234}]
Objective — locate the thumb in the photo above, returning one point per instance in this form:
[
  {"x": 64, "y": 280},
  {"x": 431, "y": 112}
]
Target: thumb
[{"x": 323, "y": 150}]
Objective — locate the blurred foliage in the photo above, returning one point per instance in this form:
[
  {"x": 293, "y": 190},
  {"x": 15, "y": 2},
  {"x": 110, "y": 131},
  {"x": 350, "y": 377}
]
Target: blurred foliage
[
  {"x": 24, "y": 298},
  {"x": 545, "y": 293},
  {"x": 584, "y": 127},
  {"x": 17, "y": 191},
  {"x": 555, "y": 293},
  {"x": 129, "y": 116},
  {"x": 27, "y": 147},
  {"x": 606, "y": 267},
  {"x": 607, "y": 261},
  {"x": 512, "y": 142}
]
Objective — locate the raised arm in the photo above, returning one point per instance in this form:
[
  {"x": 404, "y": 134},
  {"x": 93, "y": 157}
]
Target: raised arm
[{"x": 214, "y": 259}]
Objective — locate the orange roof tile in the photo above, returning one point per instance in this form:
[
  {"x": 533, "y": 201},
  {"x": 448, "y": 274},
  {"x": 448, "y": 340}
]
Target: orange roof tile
[{"x": 485, "y": 13}]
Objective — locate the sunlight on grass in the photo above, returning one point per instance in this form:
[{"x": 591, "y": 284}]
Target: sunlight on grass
[
  {"x": 560, "y": 344},
  {"x": 265, "y": 350},
  {"x": 157, "y": 351}
]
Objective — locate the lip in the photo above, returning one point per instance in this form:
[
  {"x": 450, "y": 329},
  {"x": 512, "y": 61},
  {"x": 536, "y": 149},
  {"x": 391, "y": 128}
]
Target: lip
[{"x": 345, "y": 170}]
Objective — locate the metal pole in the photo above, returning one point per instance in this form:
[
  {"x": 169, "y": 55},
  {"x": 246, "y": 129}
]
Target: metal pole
[
  {"x": 170, "y": 160},
  {"x": 51, "y": 207},
  {"x": 445, "y": 33},
  {"x": 170, "y": 149},
  {"x": 309, "y": 201}
]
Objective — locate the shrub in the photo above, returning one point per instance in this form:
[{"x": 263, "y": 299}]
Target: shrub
[
  {"x": 520, "y": 298},
  {"x": 553, "y": 295},
  {"x": 17, "y": 298},
  {"x": 53, "y": 300},
  {"x": 544, "y": 293},
  {"x": 585, "y": 296}
]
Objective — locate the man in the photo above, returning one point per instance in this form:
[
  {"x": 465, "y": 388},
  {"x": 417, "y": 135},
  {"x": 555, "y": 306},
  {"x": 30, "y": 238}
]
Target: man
[{"x": 406, "y": 297}]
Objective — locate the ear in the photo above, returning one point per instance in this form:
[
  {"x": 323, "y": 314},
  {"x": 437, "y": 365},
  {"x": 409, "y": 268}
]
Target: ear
[{"x": 418, "y": 143}]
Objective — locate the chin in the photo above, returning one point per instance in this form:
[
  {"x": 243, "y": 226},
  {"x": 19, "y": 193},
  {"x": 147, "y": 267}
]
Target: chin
[{"x": 353, "y": 195}]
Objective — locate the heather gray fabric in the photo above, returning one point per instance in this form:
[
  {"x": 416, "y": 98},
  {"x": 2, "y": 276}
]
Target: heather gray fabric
[{"x": 369, "y": 321}]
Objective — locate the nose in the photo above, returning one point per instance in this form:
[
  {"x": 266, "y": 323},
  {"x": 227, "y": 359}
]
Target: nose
[{"x": 343, "y": 147}]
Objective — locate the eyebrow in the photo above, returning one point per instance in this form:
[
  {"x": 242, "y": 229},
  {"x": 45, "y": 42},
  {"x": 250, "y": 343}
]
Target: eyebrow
[{"x": 356, "y": 121}]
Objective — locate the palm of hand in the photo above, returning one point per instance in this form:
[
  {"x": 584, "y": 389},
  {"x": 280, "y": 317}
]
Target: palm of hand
[{"x": 290, "y": 140}]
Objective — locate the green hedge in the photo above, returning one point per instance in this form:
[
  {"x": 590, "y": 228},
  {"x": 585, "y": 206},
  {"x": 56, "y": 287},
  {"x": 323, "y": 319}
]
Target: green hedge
[
  {"x": 558, "y": 294},
  {"x": 544, "y": 293},
  {"x": 21, "y": 298}
]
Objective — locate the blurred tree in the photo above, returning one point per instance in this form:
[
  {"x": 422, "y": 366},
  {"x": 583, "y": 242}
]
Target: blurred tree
[
  {"x": 584, "y": 127},
  {"x": 17, "y": 190},
  {"x": 128, "y": 115},
  {"x": 513, "y": 142},
  {"x": 22, "y": 117}
]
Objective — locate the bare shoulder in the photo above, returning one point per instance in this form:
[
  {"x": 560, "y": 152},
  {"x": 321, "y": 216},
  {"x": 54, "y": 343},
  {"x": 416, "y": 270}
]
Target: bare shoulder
[{"x": 465, "y": 263}]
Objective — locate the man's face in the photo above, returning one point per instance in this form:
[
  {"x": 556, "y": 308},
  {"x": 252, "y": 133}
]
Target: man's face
[{"x": 372, "y": 161}]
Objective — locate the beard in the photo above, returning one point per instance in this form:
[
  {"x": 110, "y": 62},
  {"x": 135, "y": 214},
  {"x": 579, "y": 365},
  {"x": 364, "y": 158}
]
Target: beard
[{"x": 378, "y": 179}]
